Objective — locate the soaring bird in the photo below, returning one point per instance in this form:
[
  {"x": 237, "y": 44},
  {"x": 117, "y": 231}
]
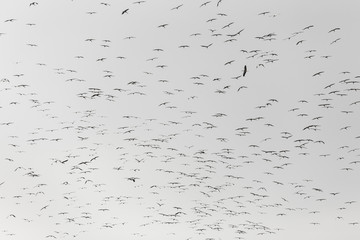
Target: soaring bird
[
  {"x": 177, "y": 7},
  {"x": 333, "y": 30},
  {"x": 163, "y": 25},
  {"x": 308, "y": 27},
  {"x": 317, "y": 74},
  {"x": 244, "y": 71}
]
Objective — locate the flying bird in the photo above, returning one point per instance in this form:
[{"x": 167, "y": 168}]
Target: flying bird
[
  {"x": 334, "y": 30},
  {"x": 244, "y": 71}
]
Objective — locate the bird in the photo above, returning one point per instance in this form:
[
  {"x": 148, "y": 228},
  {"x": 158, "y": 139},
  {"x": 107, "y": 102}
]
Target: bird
[
  {"x": 334, "y": 30},
  {"x": 177, "y": 7},
  {"x": 10, "y": 20},
  {"x": 207, "y": 46},
  {"x": 133, "y": 179},
  {"x": 318, "y": 73},
  {"x": 308, "y": 27},
  {"x": 299, "y": 42},
  {"x": 229, "y": 62},
  {"x": 205, "y": 3},
  {"x": 163, "y": 25},
  {"x": 244, "y": 71}
]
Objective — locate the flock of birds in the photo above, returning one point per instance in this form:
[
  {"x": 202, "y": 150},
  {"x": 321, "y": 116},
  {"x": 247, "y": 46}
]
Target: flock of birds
[{"x": 165, "y": 120}]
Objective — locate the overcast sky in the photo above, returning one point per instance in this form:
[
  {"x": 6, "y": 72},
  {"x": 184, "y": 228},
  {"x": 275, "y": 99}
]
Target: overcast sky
[{"x": 179, "y": 119}]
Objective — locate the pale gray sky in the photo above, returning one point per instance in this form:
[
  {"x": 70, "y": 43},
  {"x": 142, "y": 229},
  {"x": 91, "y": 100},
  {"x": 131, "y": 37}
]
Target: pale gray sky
[{"x": 135, "y": 120}]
